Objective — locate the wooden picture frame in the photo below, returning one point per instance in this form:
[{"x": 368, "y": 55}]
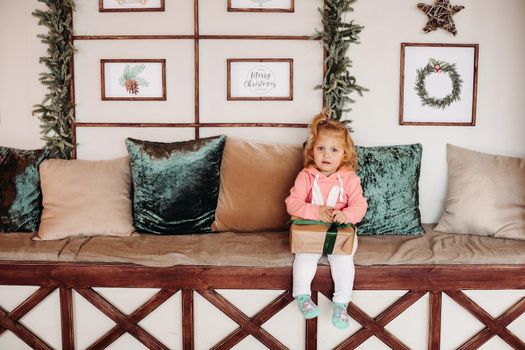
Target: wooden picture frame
[
  {"x": 133, "y": 79},
  {"x": 259, "y": 79},
  {"x": 438, "y": 84},
  {"x": 131, "y": 6},
  {"x": 261, "y": 5}
]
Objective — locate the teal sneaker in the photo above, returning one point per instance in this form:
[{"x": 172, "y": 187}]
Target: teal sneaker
[
  {"x": 307, "y": 306},
  {"x": 340, "y": 316}
]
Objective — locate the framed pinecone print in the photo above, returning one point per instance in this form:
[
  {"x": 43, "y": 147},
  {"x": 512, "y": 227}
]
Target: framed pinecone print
[{"x": 133, "y": 79}]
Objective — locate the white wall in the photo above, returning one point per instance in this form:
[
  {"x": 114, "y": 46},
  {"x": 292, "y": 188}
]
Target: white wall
[
  {"x": 498, "y": 28},
  {"x": 20, "y": 89}
]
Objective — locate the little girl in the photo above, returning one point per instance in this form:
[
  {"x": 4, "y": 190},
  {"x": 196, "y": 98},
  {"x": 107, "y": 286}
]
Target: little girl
[{"x": 327, "y": 189}]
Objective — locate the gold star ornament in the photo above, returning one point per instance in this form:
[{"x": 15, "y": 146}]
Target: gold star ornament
[{"x": 440, "y": 15}]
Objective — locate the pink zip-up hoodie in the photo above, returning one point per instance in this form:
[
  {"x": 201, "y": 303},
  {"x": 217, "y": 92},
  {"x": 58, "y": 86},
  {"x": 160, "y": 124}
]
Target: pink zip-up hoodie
[{"x": 341, "y": 190}]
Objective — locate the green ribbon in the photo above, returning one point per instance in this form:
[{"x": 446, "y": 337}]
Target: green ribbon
[
  {"x": 331, "y": 232},
  {"x": 329, "y": 239},
  {"x": 324, "y": 223}
]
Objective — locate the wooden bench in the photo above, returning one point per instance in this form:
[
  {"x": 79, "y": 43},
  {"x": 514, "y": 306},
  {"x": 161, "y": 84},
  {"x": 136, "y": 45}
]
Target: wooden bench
[{"x": 205, "y": 280}]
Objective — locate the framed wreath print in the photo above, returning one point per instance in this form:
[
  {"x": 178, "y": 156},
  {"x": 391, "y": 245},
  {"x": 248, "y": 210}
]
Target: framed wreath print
[
  {"x": 133, "y": 79},
  {"x": 130, "y": 5},
  {"x": 438, "y": 84},
  {"x": 261, "y": 5},
  {"x": 260, "y": 79}
]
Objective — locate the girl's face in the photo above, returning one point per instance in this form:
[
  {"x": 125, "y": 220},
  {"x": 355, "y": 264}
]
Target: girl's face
[{"x": 328, "y": 152}]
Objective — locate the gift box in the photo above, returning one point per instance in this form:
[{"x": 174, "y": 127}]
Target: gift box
[{"x": 308, "y": 236}]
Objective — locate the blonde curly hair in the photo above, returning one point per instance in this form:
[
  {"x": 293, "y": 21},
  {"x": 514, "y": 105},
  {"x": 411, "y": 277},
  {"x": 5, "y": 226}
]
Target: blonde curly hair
[{"x": 323, "y": 123}]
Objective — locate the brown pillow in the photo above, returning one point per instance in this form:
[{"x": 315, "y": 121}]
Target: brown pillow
[
  {"x": 486, "y": 194},
  {"x": 85, "y": 198},
  {"x": 256, "y": 178}
]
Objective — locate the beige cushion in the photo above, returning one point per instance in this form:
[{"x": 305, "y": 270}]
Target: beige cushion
[
  {"x": 260, "y": 249},
  {"x": 256, "y": 178},
  {"x": 21, "y": 246},
  {"x": 486, "y": 194},
  {"x": 85, "y": 198},
  {"x": 272, "y": 249}
]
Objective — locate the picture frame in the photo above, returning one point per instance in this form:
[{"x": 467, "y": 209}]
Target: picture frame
[
  {"x": 259, "y": 79},
  {"x": 261, "y": 5},
  {"x": 438, "y": 84},
  {"x": 133, "y": 79},
  {"x": 131, "y": 5}
]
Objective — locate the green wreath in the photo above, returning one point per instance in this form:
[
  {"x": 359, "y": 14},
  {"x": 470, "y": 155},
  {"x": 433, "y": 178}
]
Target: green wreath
[{"x": 435, "y": 66}]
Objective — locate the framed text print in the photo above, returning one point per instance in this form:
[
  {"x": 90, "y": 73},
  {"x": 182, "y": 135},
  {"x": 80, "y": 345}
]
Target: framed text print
[
  {"x": 438, "y": 84},
  {"x": 258, "y": 79},
  {"x": 261, "y": 5},
  {"x": 133, "y": 79},
  {"x": 130, "y": 5}
]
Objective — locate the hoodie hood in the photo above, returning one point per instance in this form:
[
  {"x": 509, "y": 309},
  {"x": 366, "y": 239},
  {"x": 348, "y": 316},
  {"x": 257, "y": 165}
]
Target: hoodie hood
[{"x": 343, "y": 172}]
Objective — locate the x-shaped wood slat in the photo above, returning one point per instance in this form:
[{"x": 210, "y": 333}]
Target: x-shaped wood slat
[
  {"x": 126, "y": 323},
  {"x": 494, "y": 326},
  {"x": 376, "y": 326},
  {"x": 9, "y": 321},
  {"x": 248, "y": 326}
]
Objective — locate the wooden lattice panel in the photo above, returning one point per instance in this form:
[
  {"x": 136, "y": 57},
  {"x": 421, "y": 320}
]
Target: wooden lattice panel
[{"x": 206, "y": 281}]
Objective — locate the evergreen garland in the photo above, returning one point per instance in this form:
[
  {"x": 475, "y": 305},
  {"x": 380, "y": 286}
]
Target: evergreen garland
[
  {"x": 337, "y": 37},
  {"x": 56, "y": 111}
]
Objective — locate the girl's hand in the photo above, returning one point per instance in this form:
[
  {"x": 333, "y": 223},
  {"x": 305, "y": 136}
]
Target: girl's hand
[
  {"x": 339, "y": 217},
  {"x": 326, "y": 213}
]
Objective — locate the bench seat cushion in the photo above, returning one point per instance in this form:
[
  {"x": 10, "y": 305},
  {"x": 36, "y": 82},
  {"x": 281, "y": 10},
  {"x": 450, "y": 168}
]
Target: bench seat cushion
[
  {"x": 21, "y": 246},
  {"x": 266, "y": 249}
]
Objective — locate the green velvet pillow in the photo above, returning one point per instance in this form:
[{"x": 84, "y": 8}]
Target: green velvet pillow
[
  {"x": 390, "y": 176},
  {"x": 20, "y": 194},
  {"x": 176, "y": 185}
]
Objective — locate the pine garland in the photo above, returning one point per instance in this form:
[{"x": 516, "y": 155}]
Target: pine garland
[
  {"x": 337, "y": 37},
  {"x": 56, "y": 111}
]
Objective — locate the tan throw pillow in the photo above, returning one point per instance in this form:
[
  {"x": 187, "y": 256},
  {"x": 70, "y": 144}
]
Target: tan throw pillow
[
  {"x": 256, "y": 178},
  {"x": 85, "y": 198},
  {"x": 486, "y": 194}
]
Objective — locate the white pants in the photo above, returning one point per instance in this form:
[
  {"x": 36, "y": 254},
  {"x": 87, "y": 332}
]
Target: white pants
[{"x": 341, "y": 266}]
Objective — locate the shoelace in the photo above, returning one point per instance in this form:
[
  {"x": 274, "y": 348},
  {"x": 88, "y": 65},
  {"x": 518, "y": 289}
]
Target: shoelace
[
  {"x": 342, "y": 314},
  {"x": 307, "y": 305}
]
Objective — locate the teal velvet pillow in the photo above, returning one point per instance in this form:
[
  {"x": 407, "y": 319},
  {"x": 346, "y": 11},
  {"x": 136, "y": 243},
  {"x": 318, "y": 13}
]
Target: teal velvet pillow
[
  {"x": 176, "y": 185},
  {"x": 389, "y": 177},
  {"x": 20, "y": 194}
]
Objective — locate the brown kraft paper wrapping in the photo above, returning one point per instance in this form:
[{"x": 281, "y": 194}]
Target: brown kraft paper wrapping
[{"x": 310, "y": 238}]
